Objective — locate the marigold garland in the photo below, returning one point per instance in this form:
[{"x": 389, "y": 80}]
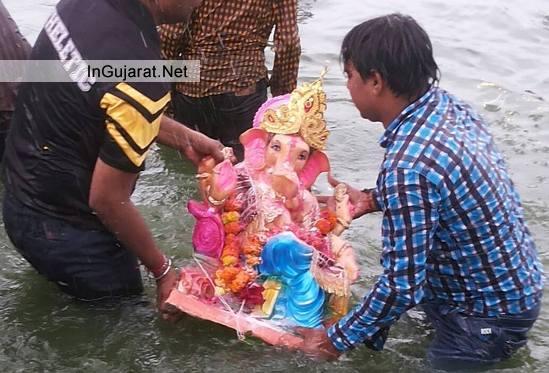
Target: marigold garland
[
  {"x": 235, "y": 278},
  {"x": 232, "y": 277}
]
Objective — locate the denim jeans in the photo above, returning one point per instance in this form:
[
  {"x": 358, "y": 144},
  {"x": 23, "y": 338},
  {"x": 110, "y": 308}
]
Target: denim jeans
[
  {"x": 223, "y": 117},
  {"x": 466, "y": 342},
  {"x": 87, "y": 264}
]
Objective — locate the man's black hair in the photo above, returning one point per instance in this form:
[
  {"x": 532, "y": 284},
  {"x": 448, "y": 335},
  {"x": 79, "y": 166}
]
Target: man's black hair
[{"x": 397, "y": 48}]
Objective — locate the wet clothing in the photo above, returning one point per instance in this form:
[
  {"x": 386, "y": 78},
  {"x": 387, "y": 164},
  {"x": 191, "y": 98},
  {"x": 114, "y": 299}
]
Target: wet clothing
[
  {"x": 229, "y": 38},
  {"x": 61, "y": 129},
  {"x": 468, "y": 342},
  {"x": 235, "y": 113},
  {"x": 13, "y": 46},
  {"x": 88, "y": 264},
  {"x": 453, "y": 229}
]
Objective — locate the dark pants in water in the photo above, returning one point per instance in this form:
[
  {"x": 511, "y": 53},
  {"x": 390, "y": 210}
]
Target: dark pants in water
[
  {"x": 223, "y": 117},
  {"x": 466, "y": 342},
  {"x": 5, "y": 118},
  {"x": 87, "y": 264}
]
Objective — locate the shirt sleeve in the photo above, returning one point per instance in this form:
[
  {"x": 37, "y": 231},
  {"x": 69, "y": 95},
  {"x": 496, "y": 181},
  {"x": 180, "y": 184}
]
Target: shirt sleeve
[
  {"x": 132, "y": 124},
  {"x": 287, "y": 48},
  {"x": 410, "y": 216}
]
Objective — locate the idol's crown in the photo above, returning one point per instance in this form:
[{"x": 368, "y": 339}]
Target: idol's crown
[{"x": 303, "y": 115}]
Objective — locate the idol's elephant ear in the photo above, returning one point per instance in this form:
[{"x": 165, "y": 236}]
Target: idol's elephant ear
[
  {"x": 208, "y": 234},
  {"x": 255, "y": 142},
  {"x": 318, "y": 162}
]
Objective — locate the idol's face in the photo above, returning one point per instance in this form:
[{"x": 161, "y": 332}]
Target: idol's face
[{"x": 287, "y": 152}]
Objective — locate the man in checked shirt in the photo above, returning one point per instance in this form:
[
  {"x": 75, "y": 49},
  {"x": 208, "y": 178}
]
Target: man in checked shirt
[
  {"x": 454, "y": 239},
  {"x": 229, "y": 38}
]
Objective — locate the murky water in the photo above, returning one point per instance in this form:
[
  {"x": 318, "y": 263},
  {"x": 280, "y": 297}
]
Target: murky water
[{"x": 494, "y": 54}]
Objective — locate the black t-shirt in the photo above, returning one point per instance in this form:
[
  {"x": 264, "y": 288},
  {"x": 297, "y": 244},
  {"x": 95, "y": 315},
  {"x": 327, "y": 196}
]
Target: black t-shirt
[{"x": 60, "y": 129}]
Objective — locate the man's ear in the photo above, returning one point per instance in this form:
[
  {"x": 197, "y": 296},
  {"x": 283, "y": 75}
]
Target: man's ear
[{"x": 377, "y": 82}]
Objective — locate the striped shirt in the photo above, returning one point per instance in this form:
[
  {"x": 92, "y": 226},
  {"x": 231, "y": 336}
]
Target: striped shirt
[
  {"x": 453, "y": 229},
  {"x": 229, "y": 38}
]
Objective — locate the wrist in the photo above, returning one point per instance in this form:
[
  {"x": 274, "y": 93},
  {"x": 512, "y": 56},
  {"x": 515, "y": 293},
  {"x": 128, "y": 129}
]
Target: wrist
[
  {"x": 370, "y": 200},
  {"x": 335, "y": 340},
  {"x": 159, "y": 272}
]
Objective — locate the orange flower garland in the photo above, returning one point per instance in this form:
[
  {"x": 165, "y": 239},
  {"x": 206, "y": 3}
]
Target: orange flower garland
[
  {"x": 327, "y": 221},
  {"x": 232, "y": 277},
  {"x": 252, "y": 250}
]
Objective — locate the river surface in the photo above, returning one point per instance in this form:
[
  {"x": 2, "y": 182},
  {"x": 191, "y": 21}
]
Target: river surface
[{"x": 493, "y": 54}]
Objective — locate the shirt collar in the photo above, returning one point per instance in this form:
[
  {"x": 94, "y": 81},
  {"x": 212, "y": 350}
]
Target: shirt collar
[{"x": 389, "y": 134}]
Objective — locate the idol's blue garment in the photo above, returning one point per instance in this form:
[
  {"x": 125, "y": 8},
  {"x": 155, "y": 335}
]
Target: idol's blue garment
[{"x": 289, "y": 259}]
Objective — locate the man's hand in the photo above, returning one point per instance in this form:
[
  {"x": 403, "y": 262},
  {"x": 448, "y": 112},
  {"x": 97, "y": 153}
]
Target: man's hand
[
  {"x": 363, "y": 202},
  {"x": 200, "y": 146},
  {"x": 110, "y": 192},
  {"x": 164, "y": 287},
  {"x": 194, "y": 145},
  {"x": 317, "y": 345}
]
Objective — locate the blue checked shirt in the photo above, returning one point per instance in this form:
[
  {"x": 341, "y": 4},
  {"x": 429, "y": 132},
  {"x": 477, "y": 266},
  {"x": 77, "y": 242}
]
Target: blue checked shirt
[{"x": 453, "y": 229}]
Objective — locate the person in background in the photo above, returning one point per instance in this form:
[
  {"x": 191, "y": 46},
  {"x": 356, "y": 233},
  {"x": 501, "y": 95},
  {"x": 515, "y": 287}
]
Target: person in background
[
  {"x": 13, "y": 46},
  {"x": 75, "y": 150},
  {"x": 454, "y": 238},
  {"x": 229, "y": 38}
]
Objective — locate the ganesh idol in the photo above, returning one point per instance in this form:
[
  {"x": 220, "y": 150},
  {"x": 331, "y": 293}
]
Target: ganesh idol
[{"x": 267, "y": 254}]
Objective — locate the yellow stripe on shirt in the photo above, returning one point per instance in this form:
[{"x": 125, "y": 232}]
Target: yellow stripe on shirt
[
  {"x": 152, "y": 107},
  {"x": 136, "y": 158},
  {"x": 130, "y": 119},
  {"x": 133, "y": 123}
]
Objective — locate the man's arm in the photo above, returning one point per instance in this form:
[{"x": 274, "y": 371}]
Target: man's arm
[
  {"x": 287, "y": 48},
  {"x": 363, "y": 201},
  {"x": 194, "y": 145},
  {"x": 410, "y": 218},
  {"x": 110, "y": 193},
  {"x": 133, "y": 122}
]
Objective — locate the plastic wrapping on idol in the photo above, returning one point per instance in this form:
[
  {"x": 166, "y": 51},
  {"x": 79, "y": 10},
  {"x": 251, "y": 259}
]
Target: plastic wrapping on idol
[{"x": 267, "y": 256}]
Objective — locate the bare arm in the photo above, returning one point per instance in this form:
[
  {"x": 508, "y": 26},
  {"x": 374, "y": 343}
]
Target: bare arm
[
  {"x": 194, "y": 145},
  {"x": 110, "y": 193}
]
